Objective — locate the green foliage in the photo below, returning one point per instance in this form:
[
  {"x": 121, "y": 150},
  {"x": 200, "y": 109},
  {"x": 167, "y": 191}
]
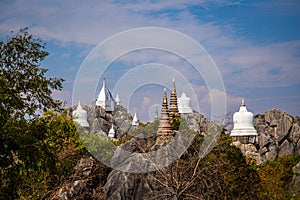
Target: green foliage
[
  {"x": 175, "y": 122},
  {"x": 122, "y": 140},
  {"x": 147, "y": 130},
  {"x": 222, "y": 174},
  {"x": 100, "y": 148},
  {"x": 276, "y": 176},
  {"x": 32, "y": 147},
  {"x": 259, "y": 116}
]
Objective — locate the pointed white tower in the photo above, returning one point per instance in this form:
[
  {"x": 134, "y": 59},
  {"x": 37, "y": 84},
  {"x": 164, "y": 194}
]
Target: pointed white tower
[
  {"x": 135, "y": 121},
  {"x": 80, "y": 116},
  {"x": 105, "y": 99},
  {"x": 184, "y": 104},
  {"x": 156, "y": 114},
  {"x": 112, "y": 133},
  {"x": 243, "y": 129},
  {"x": 118, "y": 101}
]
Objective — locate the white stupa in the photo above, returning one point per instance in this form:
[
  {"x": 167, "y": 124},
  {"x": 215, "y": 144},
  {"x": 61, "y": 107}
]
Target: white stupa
[
  {"x": 243, "y": 124},
  {"x": 105, "y": 99},
  {"x": 117, "y": 99},
  {"x": 112, "y": 133},
  {"x": 80, "y": 116},
  {"x": 135, "y": 121},
  {"x": 184, "y": 104}
]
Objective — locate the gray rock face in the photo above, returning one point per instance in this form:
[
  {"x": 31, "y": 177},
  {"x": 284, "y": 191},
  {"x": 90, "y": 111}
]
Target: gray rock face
[
  {"x": 134, "y": 155},
  {"x": 279, "y": 134},
  {"x": 286, "y": 148},
  {"x": 85, "y": 183},
  {"x": 196, "y": 122},
  {"x": 122, "y": 120},
  {"x": 100, "y": 121},
  {"x": 281, "y": 120},
  {"x": 295, "y": 185},
  {"x": 123, "y": 186}
]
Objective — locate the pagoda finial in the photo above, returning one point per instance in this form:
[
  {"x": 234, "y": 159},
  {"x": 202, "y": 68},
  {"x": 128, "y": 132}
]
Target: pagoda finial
[
  {"x": 79, "y": 106},
  {"x": 173, "y": 101},
  {"x": 243, "y": 102},
  {"x": 156, "y": 113},
  {"x": 173, "y": 86},
  {"x": 165, "y": 100}
]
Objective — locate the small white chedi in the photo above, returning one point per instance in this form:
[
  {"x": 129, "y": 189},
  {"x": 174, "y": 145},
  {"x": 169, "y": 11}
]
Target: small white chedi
[
  {"x": 80, "y": 116},
  {"x": 243, "y": 128},
  {"x": 112, "y": 133},
  {"x": 117, "y": 99},
  {"x": 135, "y": 121},
  {"x": 184, "y": 104}
]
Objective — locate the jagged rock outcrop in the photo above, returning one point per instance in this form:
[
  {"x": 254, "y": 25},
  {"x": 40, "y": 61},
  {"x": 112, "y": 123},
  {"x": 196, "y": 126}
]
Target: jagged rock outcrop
[
  {"x": 133, "y": 155},
  {"x": 121, "y": 185},
  {"x": 295, "y": 185},
  {"x": 279, "y": 134},
  {"x": 100, "y": 121},
  {"x": 196, "y": 122},
  {"x": 86, "y": 182},
  {"x": 122, "y": 120}
]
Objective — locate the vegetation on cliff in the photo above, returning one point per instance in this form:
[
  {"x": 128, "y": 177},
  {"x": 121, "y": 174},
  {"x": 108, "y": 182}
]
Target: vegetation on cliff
[{"x": 39, "y": 147}]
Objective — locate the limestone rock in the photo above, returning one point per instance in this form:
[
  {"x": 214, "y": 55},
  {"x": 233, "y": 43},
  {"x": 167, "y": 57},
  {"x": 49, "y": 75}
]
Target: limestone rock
[
  {"x": 286, "y": 148},
  {"x": 123, "y": 186},
  {"x": 122, "y": 120},
  {"x": 281, "y": 120},
  {"x": 86, "y": 182},
  {"x": 196, "y": 122},
  {"x": 272, "y": 153},
  {"x": 264, "y": 140},
  {"x": 295, "y": 134},
  {"x": 285, "y": 142},
  {"x": 295, "y": 185}
]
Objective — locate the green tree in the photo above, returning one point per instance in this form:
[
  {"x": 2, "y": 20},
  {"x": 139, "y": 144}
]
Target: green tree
[
  {"x": 222, "y": 174},
  {"x": 28, "y": 143},
  {"x": 276, "y": 176}
]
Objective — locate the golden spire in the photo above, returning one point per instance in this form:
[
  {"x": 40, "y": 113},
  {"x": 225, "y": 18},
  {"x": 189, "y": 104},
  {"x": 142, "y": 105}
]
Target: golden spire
[
  {"x": 173, "y": 86},
  {"x": 173, "y": 101},
  {"x": 165, "y": 100},
  {"x": 243, "y": 102}
]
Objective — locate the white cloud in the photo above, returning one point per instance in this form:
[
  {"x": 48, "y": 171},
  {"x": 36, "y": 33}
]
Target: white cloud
[{"x": 242, "y": 63}]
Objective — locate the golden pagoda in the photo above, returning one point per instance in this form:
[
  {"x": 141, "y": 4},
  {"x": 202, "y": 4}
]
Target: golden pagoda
[
  {"x": 164, "y": 133},
  {"x": 173, "y": 101}
]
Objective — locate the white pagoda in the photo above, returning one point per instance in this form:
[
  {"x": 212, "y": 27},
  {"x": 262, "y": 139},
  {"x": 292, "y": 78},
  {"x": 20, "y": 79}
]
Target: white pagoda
[
  {"x": 117, "y": 100},
  {"x": 184, "y": 104},
  {"x": 80, "y": 116},
  {"x": 112, "y": 133},
  {"x": 135, "y": 121},
  {"x": 105, "y": 99},
  {"x": 243, "y": 128}
]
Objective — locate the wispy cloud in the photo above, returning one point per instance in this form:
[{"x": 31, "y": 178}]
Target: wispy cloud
[{"x": 244, "y": 63}]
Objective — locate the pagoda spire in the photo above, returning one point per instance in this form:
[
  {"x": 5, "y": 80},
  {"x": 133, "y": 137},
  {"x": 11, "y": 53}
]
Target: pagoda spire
[
  {"x": 173, "y": 101},
  {"x": 243, "y": 102},
  {"x": 164, "y": 129},
  {"x": 105, "y": 98}
]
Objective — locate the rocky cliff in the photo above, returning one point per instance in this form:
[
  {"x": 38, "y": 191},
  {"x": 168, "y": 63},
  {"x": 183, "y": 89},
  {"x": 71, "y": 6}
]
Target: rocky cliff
[{"x": 278, "y": 134}]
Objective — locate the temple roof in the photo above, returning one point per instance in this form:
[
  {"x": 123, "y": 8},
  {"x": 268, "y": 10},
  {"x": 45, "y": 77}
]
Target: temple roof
[{"x": 105, "y": 94}]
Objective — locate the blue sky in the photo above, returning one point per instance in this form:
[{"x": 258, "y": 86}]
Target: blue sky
[{"x": 255, "y": 45}]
